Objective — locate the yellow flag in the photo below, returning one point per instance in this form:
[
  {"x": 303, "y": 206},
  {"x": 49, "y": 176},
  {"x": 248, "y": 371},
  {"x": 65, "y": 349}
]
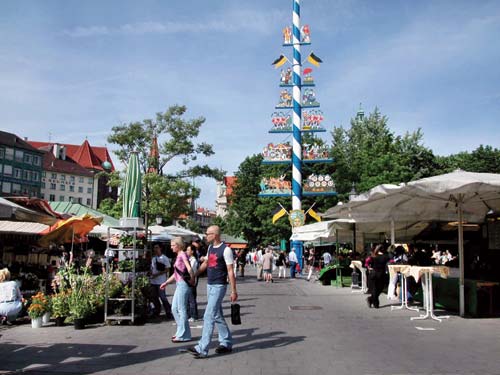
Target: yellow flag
[
  {"x": 279, "y": 61},
  {"x": 279, "y": 214},
  {"x": 313, "y": 59},
  {"x": 314, "y": 214}
]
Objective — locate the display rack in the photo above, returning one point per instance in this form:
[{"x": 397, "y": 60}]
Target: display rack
[{"x": 129, "y": 230}]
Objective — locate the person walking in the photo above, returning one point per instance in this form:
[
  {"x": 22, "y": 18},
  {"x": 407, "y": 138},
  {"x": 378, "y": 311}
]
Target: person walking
[
  {"x": 377, "y": 275},
  {"x": 311, "y": 259},
  {"x": 258, "y": 263},
  {"x": 219, "y": 266},
  {"x": 192, "y": 302},
  {"x": 184, "y": 277},
  {"x": 160, "y": 265},
  {"x": 293, "y": 261},
  {"x": 267, "y": 265},
  {"x": 281, "y": 263}
]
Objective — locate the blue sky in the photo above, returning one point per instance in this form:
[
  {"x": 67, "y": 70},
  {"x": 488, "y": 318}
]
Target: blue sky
[{"x": 74, "y": 69}]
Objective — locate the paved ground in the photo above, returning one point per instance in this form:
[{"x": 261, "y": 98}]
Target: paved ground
[{"x": 341, "y": 336}]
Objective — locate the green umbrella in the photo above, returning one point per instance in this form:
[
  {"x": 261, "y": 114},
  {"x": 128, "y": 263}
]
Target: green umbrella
[{"x": 132, "y": 190}]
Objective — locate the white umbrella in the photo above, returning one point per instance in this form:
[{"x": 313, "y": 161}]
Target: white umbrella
[{"x": 457, "y": 196}]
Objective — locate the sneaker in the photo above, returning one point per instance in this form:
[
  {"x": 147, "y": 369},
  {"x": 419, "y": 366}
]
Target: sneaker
[
  {"x": 192, "y": 350},
  {"x": 221, "y": 349}
]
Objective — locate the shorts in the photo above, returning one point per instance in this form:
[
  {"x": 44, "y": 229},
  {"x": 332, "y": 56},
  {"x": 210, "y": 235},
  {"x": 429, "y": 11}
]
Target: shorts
[{"x": 269, "y": 271}]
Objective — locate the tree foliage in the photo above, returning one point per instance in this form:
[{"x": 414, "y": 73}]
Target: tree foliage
[
  {"x": 369, "y": 153},
  {"x": 166, "y": 194}
]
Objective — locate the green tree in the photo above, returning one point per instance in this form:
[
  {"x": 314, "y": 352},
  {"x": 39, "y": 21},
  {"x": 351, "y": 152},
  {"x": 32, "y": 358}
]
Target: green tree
[
  {"x": 369, "y": 153},
  {"x": 484, "y": 159},
  {"x": 166, "y": 194}
]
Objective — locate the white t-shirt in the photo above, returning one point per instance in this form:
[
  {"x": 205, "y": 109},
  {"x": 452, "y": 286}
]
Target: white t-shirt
[
  {"x": 327, "y": 258},
  {"x": 228, "y": 254},
  {"x": 162, "y": 277}
]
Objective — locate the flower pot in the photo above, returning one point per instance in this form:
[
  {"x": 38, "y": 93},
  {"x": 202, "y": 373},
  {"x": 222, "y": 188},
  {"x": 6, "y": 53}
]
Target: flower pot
[
  {"x": 79, "y": 323},
  {"x": 46, "y": 318},
  {"x": 60, "y": 321},
  {"x": 36, "y": 322}
]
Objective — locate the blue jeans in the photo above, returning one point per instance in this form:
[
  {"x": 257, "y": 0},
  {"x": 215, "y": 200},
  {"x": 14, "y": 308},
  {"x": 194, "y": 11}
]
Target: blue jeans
[
  {"x": 179, "y": 310},
  {"x": 214, "y": 316},
  {"x": 293, "y": 269}
]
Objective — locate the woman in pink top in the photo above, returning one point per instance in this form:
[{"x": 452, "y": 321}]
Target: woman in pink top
[{"x": 184, "y": 278}]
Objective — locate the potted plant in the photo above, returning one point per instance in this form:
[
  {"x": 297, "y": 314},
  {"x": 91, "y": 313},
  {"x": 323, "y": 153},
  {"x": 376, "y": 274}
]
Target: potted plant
[
  {"x": 60, "y": 307},
  {"x": 37, "y": 308},
  {"x": 80, "y": 297}
]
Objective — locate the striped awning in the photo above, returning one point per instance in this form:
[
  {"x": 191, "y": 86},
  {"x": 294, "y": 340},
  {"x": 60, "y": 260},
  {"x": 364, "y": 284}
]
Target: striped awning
[{"x": 21, "y": 227}]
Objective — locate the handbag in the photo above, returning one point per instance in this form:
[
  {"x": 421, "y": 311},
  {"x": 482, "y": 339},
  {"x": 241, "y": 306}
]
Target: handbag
[
  {"x": 160, "y": 266},
  {"x": 235, "y": 314},
  {"x": 185, "y": 275}
]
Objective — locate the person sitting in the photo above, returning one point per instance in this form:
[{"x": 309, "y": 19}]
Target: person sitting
[{"x": 10, "y": 298}]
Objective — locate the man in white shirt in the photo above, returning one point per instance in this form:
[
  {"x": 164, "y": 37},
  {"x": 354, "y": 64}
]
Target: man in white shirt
[
  {"x": 160, "y": 266},
  {"x": 292, "y": 259},
  {"x": 327, "y": 258},
  {"x": 258, "y": 263}
]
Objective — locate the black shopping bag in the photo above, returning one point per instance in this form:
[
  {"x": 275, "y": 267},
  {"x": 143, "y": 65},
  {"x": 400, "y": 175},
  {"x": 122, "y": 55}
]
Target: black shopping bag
[{"x": 235, "y": 314}]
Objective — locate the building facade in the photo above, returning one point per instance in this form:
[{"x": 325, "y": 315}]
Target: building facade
[
  {"x": 224, "y": 191},
  {"x": 79, "y": 175},
  {"x": 20, "y": 167}
]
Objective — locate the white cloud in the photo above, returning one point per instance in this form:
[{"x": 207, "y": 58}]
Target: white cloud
[{"x": 228, "y": 22}]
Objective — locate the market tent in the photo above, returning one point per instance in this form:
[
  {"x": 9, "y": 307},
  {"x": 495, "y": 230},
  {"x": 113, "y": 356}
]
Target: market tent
[
  {"x": 156, "y": 229},
  {"x": 458, "y": 196},
  {"x": 176, "y": 231},
  {"x": 13, "y": 211},
  {"x": 234, "y": 242},
  {"x": 328, "y": 230},
  {"x": 77, "y": 209},
  {"x": 21, "y": 227},
  {"x": 69, "y": 230}
]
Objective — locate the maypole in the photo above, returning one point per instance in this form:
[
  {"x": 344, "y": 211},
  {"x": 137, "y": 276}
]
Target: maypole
[{"x": 297, "y": 115}]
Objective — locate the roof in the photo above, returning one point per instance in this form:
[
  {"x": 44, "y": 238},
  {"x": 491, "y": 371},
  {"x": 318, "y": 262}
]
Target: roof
[
  {"x": 91, "y": 157},
  {"x": 12, "y": 140},
  {"x": 79, "y": 210},
  {"x": 234, "y": 242},
  {"x": 53, "y": 164},
  {"x": 11, "y": 210},
  {"x": 230, "y": 181},
  {"x": 21, "y": 227}
]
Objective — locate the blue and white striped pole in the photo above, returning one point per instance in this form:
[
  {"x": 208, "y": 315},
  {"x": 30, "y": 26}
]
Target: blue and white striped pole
[{"x": 297, "y": 114}]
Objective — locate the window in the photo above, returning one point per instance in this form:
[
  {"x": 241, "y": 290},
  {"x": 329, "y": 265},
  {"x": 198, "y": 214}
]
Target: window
[
  {"x": 26, "y": 175},
  {"x": 9, "y": 153},
  {"x": 43, "y": 186},
  {"x": 71, "y": 199},
  {"x": 52, "y": 197},
  {"x": 19, "y": 155},
  {"x": 71, "y": 188},
  {"x": 36, "y": 160},
  {"x": 7, "y": 170},
  {"x": 2, "y": 153},
  {"x": 6, "y": 187},
  {"x": 80, "y": 200},
  {"x": 62, "y": 187},
  {"x": 28, "y": 159},
  {"x": 53, "y": 176},
  {"x": 72, "y": 179},
  {"x": 43, "y": 173},
  {"x": 52, "y": 187},
  {"x": 18, "y": 173},
  {"x": 90, "y": 181},
  {"x": 88, "y": 202},
  {"x": 80, "y": 189},
  {"x": 89, "y": 190},
  {"x": 81, "y": 179},
  {"x": 61, "y": 198},
  {"x": 63, "y": 177},
  {"x": 34, "y": 176},
  {"x": 16, "y": 189}
]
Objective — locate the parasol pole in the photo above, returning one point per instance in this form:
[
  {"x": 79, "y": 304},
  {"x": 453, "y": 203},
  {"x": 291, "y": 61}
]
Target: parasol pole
[{"x": 461, "y": 296}]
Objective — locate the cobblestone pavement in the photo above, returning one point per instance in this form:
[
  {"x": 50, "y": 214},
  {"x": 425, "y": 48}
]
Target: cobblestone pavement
[{"x": 289, "y": 327}]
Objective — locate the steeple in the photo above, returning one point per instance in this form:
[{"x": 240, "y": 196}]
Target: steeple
[{"x": 360, "y": 115}]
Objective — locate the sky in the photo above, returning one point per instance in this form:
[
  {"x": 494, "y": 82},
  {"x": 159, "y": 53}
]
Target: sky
[{"x": 71, "y": 70}]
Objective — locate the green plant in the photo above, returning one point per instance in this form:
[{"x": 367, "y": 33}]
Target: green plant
[
  {"x": 125, "y": 265},
  {"x": 60, "y": 306},
  {"x": 82, "y": 294}
]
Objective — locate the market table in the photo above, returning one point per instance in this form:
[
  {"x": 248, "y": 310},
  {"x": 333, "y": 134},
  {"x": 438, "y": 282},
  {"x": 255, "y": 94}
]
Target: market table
[
  {"x": 357, "y": 264},
  {"x": 404, "y": 270},
  {"x": 426, "y": 274}
]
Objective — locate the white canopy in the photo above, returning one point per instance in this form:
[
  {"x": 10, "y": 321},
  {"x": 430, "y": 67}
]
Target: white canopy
[{"x": 457, "y": 196}]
